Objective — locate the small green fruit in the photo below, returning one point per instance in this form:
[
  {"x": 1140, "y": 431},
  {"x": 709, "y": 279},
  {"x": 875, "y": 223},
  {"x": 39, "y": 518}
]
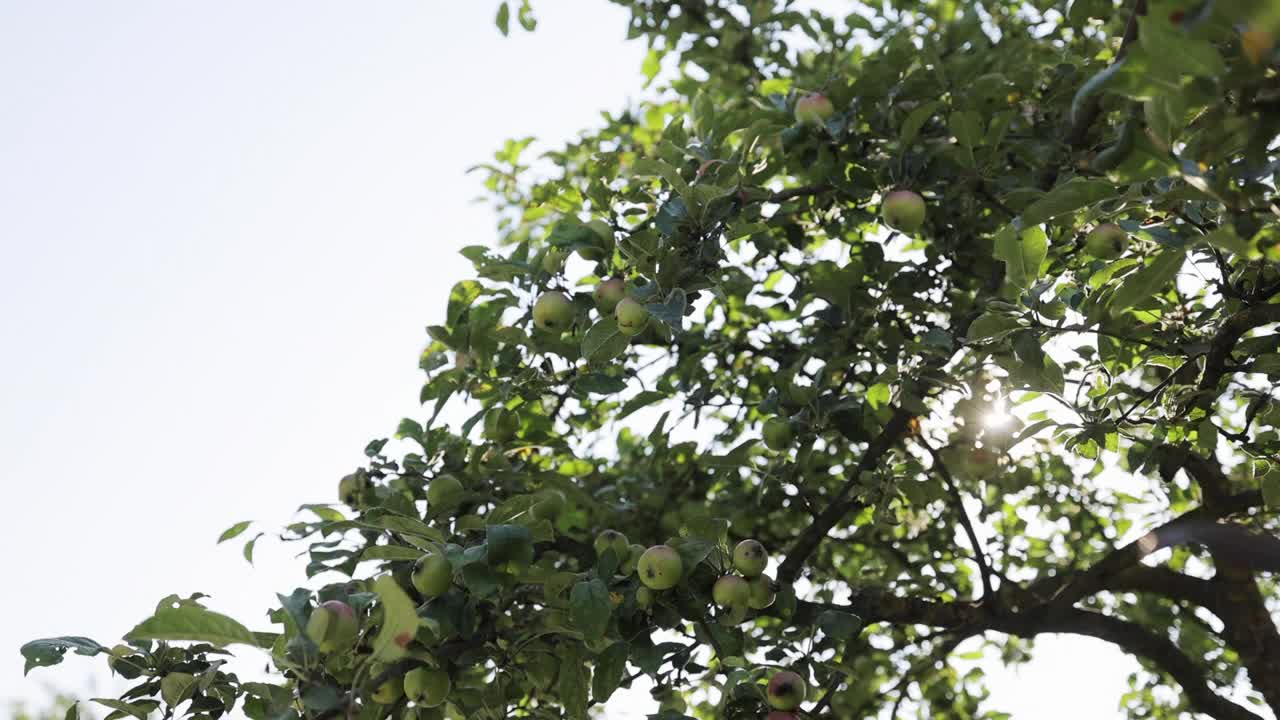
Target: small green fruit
[
  {"x": 762, "y": 594},
  {"x": 432, "y": 575},
  {"x": 1107, "y": 241},
  {"x": 644, "y": 598},
  {"x": 388, "y": 692},
  {"x": 786, "y": 691},
  {"x": 612, "y": 540},
  {"x": 777, "y": 434},
  {"x": 750, "y": 558},
  {"x": 553, "y": 260},
  {"x": 660, "y": 567},
  {"x": 501, "y": 424},
  {"x": 814, "y": 109},
  {"x": 445, "y": 491},
  {"x": 608, "y": 294},
  {"x": 333, "y": 626},
  {"x": 903, "y": 211},
  {"x": 553, "y": 312},
  {"x": 731, "y": 591},
  {"x": 632, "y": 316},
  {"x": 351, "y": 487},
  {"x": 427, "y": 687},
  {"x": 633, "y": 558}
]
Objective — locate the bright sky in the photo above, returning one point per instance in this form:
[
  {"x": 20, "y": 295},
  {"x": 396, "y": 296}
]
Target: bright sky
[{"x": 223, "y": 228}]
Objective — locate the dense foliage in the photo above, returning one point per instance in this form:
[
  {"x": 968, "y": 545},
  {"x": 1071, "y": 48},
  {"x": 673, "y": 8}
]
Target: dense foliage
[{"x": 963, "y": 310}]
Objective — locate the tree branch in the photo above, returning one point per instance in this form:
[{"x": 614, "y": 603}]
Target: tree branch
[{"x": 979, "y": 553}]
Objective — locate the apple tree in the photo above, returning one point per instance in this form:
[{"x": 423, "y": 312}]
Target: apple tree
[{"x": 864, "y": 345}]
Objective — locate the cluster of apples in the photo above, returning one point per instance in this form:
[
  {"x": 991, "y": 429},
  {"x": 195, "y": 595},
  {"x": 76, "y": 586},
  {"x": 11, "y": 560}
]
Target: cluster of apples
[
  {"x": 752, "y": 588},
  {"x": 553, "y": 310}
]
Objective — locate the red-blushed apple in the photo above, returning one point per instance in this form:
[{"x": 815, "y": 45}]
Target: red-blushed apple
[
  {"x": 777, "y": 434},
  {"x": 333, "y": 626},
  {"x": 501, "y": 424},
  {"x": 445, "y": 491},
  {"x": 750, "y": 558},
  {"x": 903, "y": 211},
  {"x": 660, "y": 567},
  {"x": 631, "y": 315},
  {"x": 553, "y": 260},
  {"x": 730, "y": 591},
  {"x": 388, "y": 692},
  {"x": 432, "y": 575},
  {"x": 427, "y": 687},
  {"x": 814, "y": 109},
  {"x": 553, "y": 312},
  {"x": 1107, "y": 241},
  {"x": 608, "y": 294},
  {"x": 786, "y": 691},
  {"x": 762, "y": 594},
  {"x": 615, "y": 541},
  {"x": 781, "y": 715}
]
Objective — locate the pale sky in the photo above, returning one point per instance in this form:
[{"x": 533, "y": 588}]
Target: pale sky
[{"x": 223, "y": 228}]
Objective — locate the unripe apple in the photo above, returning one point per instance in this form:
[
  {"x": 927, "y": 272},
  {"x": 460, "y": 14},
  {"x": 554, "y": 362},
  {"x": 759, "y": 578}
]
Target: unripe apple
[
  {"x": 612, "y": 540},
  {"x": 552, "y": 311},
  {"x": 903, "y": 211},
  {"x": 444, "y": 491},
  {"x": 731, "y": 591},
  {"x": 777, "y": 434},
  {"x": 501, "y": 424},
  {"x": 750, "y": 558},
  {"x": 427, "y": 687},
  {"x": 432, "y": 575},
  {"x": 781, "y": 715},
  {"x": 333, "y": 626},
  {"x": 632, "y": 316},
  {"x": 814, "y": 109},
  {"x": 609, "y": 293},
  {"x": 644, "y": 598},
  {"x": 660, "y": 567},
  {"x": 351, "y": 487},
  {"x": 553, "y": 260},
  {"x": 633, "y": 558},
  {"x": 786, "y": 691},
  {"x": 762, "y": 594},
  {"x": 1107, "y": 241},
  {"x": 388, "y": 692}
]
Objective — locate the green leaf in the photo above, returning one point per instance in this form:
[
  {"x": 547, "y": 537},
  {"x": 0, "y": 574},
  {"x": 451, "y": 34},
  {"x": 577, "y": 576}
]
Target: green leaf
[
  {"x": 525, "y": 16},
  {"x": 611, "y": 666},
  {"x": 1148, "y": 281},
  {"x": 916, "y": 120},
  {"x": 1271, "y": 488},
  {"x": 176, "y": 687},
  {"x": 192, "y": 623},
  {"x": 390, "y": 552},
  {"x": 839, "y": 626},
  {"x": 670, "y": 311},
  {"x": 966, "y": 125},
  {"x": 139, "y": 708},
  {"x": 1022, "y": 253},
  {"x": 573, "y": 681},
  {"x": 651, "y": 66},
  {"x": 1177, "y": 49},
  {"x": 590, "y": 608},
  {"x": 990, "y": 325},
  {"x": 234, "y": 530},
  {"x": 1066, "y": 198},
  {"x": 603, "y": 341},
  {"x": 399, "y": 621},
  {"x": 509, "y": 543},
  {"x": 503, "y": 21},
  {"x": 49, "y": 651},
  {"x": 460, "y": 298}
]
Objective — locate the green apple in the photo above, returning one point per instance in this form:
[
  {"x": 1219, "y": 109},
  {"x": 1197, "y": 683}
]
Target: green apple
[
  {"x": 388, "y": 692},
  {"x": 351, "y": 487},
  {"x": 333, "y": 626},
  {"x": 612, "y": 540},
  {"x": 731, "y": 591},
  {"x": 432, "y": 575},
  {"x": 553, "y": 312},
  {"x": 609, "y": 293},
  {"x": 553, "y": 260},
  {"x": 501, "y": 424},
  {"x": 427, "y": 687},
  {"x": 1107, "y": 241},
  {"x": 750, "y": 558},
  {"x": 644, "y": 598},
  {"x": 786, "y": 691},
  {"x": 762, "y": 594},
  {"x": 445, "y": 491},
  {"x": 633, "y": 558},
  {"x": 660, "y": 567},
  {"x": 777, "y": 434},
  {"x": 903, "y": 211},
  {"x": 632, "y": 316},
  {"x": 814, "y": 109}
]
